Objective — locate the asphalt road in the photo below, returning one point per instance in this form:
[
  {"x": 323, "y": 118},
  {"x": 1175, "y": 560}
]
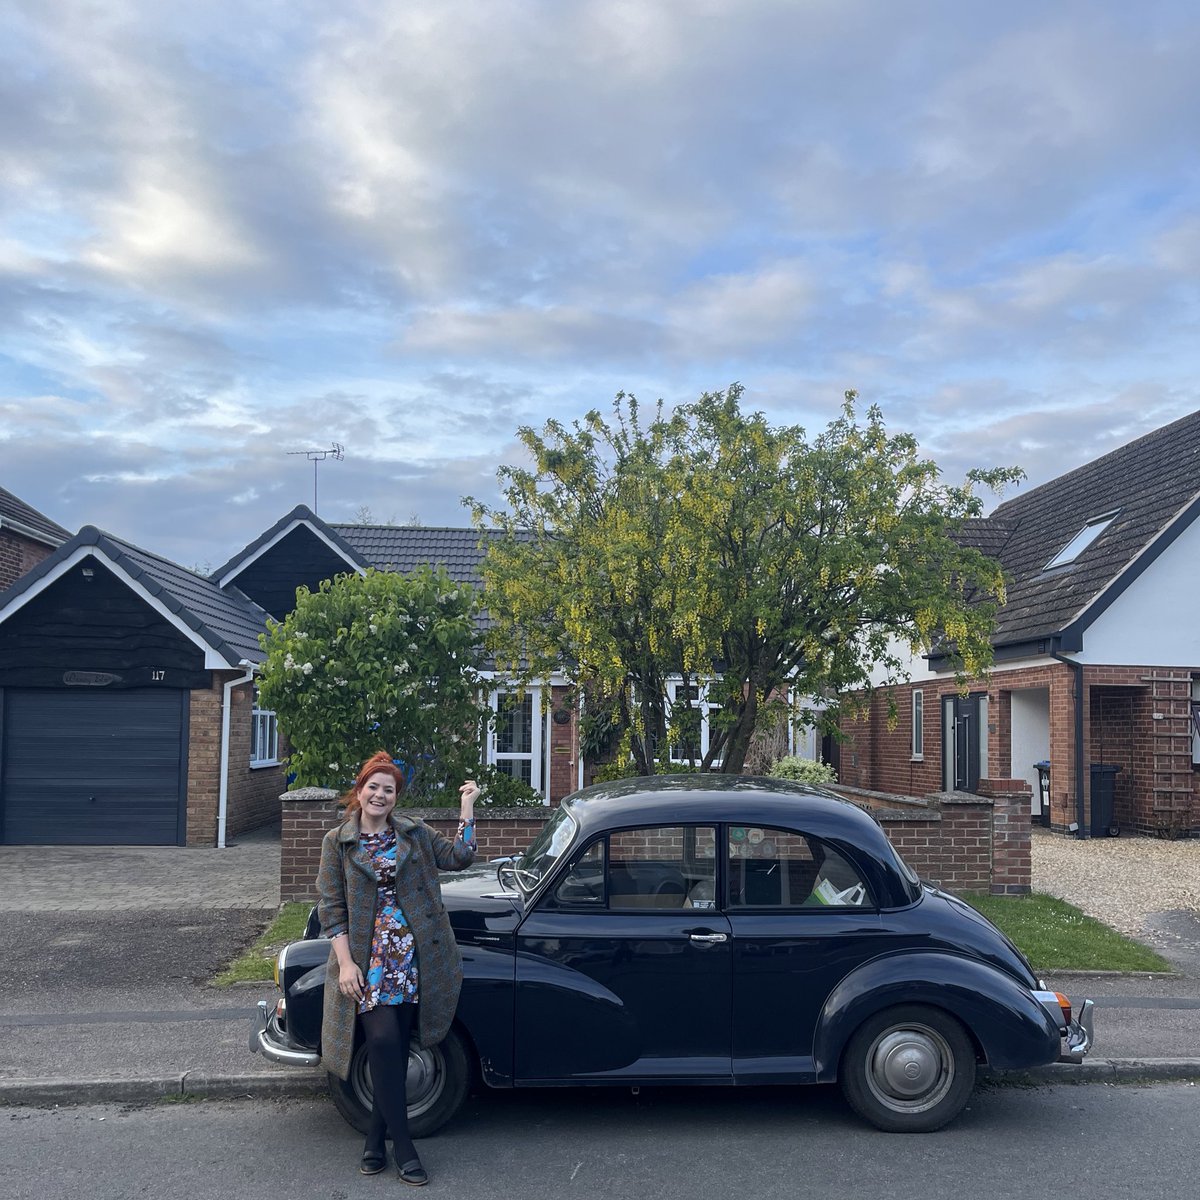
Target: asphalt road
[{"x": 1092, "y": 1143}]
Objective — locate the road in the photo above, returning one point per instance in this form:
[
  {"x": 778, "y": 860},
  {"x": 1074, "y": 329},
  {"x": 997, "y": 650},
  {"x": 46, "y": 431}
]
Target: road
[{"x": 1094, "y": 1142}]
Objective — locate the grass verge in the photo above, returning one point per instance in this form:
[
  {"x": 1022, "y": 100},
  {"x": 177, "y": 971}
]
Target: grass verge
[
  {"x": 1056, "y": 936},
  {"x": 258, "y": 962}
]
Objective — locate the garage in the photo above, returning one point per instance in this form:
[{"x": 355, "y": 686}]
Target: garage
[{"x": 93, "y": 768}]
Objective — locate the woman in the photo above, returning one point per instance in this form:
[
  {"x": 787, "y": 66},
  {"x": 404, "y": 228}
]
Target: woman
[{"x": 392, "y": 946}]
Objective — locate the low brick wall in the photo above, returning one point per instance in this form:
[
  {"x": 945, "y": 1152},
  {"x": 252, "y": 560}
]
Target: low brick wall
[
  {"x": 963, "y": 841},
  {"x": 308, "y": 813}
]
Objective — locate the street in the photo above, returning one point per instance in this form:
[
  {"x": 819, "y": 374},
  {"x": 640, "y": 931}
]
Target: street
[{"x": 1094, "y": 1142}]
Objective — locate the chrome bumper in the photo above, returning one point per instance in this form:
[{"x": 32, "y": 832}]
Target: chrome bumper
[
  {"x": 1080, "y": 1035},
  {"x": 267, "y": 1039}
]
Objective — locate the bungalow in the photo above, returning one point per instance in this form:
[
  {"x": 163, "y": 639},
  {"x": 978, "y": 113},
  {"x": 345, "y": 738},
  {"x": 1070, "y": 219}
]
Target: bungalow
[{"x": 1097, "y": 656}]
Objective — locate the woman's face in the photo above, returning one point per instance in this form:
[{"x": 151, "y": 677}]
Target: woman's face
[{"x": 377, "y": 797}]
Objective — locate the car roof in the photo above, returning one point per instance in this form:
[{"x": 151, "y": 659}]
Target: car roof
[{"x": 747, "y": 800}]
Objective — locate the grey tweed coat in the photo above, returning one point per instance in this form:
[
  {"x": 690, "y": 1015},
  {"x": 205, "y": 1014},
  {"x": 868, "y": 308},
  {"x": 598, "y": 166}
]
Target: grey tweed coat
[{"x": 347, "y": 886}]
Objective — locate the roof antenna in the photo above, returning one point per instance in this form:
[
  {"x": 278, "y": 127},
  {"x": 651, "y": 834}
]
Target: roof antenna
[{"x": 336, "y": 452}]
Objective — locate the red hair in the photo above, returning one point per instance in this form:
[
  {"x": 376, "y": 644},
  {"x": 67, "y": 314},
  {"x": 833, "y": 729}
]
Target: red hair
[{"x": 378, "y": 764}]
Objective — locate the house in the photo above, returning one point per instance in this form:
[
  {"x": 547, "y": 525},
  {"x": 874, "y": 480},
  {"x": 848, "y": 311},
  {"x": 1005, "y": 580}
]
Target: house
[
  {"x": 129, "y": 679},
  {"x": 26, "y": 537},
  {"x": 134, "y": 677},
  {"x": 1097, "y": 655}
]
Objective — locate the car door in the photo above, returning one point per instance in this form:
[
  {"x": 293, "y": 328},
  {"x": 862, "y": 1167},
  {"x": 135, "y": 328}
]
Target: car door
[
  {"x": 623, "y": 967},
  {"x": 802, "y": 918}
]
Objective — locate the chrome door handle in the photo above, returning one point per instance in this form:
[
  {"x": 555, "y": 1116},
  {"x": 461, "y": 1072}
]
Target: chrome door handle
[{"x": 707, "y": 939}]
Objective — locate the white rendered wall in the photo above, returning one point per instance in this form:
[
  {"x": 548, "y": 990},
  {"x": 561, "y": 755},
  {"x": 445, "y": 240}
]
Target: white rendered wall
[
  {"x": 1030, "y": 734},
  {"x": 1156, "y": 621}
]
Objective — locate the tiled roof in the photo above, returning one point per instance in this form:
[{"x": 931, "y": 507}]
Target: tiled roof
[
  {"x": 224, "y": 619},
  {"x": 1151, "y": 484},
  {"x": 15, "y": 511},
  {"x": 403, "y": 547},
  {"x": 300, "y": 513}
]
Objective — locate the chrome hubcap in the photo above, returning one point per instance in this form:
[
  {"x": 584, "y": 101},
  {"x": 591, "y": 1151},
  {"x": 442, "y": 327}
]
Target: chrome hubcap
[
  {"x": 425, "y": 1080},
  {"x": 910, "y": 1069}
]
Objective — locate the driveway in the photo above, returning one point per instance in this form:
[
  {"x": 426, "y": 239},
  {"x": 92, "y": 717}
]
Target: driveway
[{"x": 1145, "y": 887}]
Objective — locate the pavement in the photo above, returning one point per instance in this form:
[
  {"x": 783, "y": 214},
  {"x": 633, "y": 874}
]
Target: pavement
[{"x": 108, "y": 953}]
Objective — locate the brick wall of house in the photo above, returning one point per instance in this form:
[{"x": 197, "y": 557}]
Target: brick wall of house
[
  {"x": 254, "y": 792},
  {"x": 960, "y": 841},
  {"x": 204, "y": 762},
  {"x": 564, "y": 745},
  {"x": 17, "y": 555},
  {"x": 1118, "y": 724}
]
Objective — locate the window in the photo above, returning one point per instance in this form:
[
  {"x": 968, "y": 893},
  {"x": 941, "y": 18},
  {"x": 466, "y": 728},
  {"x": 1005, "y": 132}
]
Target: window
[
  {"x": 1195, "y": 722},
  {"x": 515, "y": 744},
  {"x": 658, "y": 867},
  {"x": 264, "y": 736},
  {"x": 1081, "y": 541},
  {"x": 691, "y": 711},
  {"x": 776, "y": 868},
  {"x": 918, "y": 725}
]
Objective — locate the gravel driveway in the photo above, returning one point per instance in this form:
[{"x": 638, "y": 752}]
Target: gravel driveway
[{"x": 1145, "y": 887}]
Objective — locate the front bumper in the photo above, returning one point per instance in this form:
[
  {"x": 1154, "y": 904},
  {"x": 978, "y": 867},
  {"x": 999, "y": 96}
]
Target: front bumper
[
  {"x": 272, "y": 1042},
  {"x": 1080, "y": 1035}
]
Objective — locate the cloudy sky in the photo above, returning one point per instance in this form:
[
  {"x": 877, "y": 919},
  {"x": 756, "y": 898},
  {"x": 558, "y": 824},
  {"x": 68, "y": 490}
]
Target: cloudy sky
[{"x": 233, "y": 230}]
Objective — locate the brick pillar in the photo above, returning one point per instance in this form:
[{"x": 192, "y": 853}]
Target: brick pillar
[
  {"x": 308, "y": 813},
  {"x": 1012, "y": 863},
  {"x": 965, "y": 847}
]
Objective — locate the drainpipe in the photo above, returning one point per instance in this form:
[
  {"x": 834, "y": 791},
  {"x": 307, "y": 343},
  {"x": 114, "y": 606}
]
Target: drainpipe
[
  {"x": 1077, "y": 671},
  {"x": 226, "y": 705}
]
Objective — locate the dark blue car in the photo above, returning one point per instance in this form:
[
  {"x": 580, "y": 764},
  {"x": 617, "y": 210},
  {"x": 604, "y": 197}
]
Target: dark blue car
[{"x": 705, "y": 929}]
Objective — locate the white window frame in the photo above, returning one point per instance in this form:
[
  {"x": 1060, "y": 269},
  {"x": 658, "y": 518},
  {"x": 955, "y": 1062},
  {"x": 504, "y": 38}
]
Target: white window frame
[
  {"x": 535, "y": 756},
  {"x": 264, "y": 733},
  {"x": 706, "y": 707},
  {"x": 918, "y": 725}
]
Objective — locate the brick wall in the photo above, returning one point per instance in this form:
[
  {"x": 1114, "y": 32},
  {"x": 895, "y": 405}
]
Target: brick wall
[
  {"x": 308, "y": 813},
  {"x": 18, "y": 555},
  {"x": 204, "y": 762},
  {"x": 254, "y": 792},
  {"x": 960, "y": 841},
  {"x": 564, "y": 745}
]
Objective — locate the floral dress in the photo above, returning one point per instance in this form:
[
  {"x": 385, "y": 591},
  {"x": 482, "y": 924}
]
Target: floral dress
[{"x": 392, "y": 972}]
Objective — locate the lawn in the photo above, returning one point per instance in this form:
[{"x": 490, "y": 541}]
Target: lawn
[
  {"x": 259, "y": 961},
  {"x": 1056, "y": 936}
]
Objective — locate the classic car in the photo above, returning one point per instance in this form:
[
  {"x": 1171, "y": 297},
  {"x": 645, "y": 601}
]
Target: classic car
[{"x": 709, "y": 930}]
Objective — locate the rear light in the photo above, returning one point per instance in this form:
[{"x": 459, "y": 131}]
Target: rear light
[{"x": 1065, "y": 1005}]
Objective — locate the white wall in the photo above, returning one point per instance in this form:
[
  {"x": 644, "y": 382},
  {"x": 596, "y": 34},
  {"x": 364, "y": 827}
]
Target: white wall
[
  {"x": 1030, "y": 735},
  {"x": 1154, "y": 623}
]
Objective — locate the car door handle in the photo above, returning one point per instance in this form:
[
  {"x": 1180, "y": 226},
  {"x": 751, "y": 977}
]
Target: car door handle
[{"x": 707, "y": 939}]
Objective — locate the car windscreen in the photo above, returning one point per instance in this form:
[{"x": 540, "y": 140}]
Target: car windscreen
[{"x": 547, "y": 848}]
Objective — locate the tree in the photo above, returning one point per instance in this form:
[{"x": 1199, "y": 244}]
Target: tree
[
  {"x": 736, "y": 556},
  {"x": 375, "y": 661}
]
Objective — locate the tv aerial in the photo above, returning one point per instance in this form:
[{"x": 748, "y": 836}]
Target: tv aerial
[{"x": 336, "y": 452}]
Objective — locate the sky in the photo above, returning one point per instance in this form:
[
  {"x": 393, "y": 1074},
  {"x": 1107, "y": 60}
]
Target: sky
[{"x": 234, "y": 232}]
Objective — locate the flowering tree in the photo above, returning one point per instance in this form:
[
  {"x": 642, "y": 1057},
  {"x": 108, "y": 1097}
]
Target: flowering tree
[{"x": 375, "y": 661}]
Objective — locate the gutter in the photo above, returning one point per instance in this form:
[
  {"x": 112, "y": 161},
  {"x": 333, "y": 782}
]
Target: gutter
[
  {"x": 1077, "y": 696},
  {"x": 226, "y": 704},
  {"x": 34, "y": 535}
]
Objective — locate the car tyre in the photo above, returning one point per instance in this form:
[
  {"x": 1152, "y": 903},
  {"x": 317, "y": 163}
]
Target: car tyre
[
  {"x": 439, "y": 1079},
  {"x": 909, "y": 1069}
]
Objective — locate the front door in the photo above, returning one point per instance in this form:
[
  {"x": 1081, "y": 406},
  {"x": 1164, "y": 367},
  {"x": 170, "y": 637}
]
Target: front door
[
  {"x": 964, "y": 741},
  {"x": 623, "y": 971}
]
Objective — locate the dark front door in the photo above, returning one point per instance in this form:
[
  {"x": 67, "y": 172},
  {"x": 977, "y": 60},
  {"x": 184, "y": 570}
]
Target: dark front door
[
  {"x": 93, "y": 768},
  {"x": 962, "y": 729},
  {"x": 623, "y": 972}
]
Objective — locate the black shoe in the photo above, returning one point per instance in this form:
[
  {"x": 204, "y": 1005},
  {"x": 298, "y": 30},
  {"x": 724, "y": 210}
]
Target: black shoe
[
  {"x": 413, "y": 1173},
  {"x": 372, "y": 1161}
]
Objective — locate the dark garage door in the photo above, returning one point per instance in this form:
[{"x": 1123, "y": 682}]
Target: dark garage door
[{"x": 93, "y": 768}]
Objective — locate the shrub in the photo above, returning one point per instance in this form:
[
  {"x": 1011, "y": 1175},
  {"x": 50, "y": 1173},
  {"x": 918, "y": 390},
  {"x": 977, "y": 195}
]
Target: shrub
[
  {"x": 803, "y": 770},
  {"x": 498, "y": 789}
]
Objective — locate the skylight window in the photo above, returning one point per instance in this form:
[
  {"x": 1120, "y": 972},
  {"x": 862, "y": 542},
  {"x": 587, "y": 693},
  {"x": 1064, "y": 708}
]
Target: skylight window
[{"x": 1081, "y": 541}]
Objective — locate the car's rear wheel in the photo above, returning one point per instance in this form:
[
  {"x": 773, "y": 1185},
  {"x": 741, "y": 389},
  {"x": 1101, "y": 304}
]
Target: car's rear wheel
[
  {"x": 438, "y": 1081},
  {"x": 909, "y": 1069}
]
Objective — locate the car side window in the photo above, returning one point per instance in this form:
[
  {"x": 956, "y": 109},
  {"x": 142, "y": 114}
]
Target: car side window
[
  {"x": 657, "y": 867},
  {"x": 778, "y": 868}
]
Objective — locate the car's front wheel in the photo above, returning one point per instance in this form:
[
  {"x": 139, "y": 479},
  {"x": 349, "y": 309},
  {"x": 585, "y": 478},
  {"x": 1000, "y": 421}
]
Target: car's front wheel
[
  {"x": 438, "y": 1081},
  {"x": 909, "y": 1069}
]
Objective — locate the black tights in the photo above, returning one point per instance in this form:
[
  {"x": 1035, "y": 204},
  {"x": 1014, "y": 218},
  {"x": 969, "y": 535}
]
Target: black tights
[{"x": 387, "y": 1030}]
